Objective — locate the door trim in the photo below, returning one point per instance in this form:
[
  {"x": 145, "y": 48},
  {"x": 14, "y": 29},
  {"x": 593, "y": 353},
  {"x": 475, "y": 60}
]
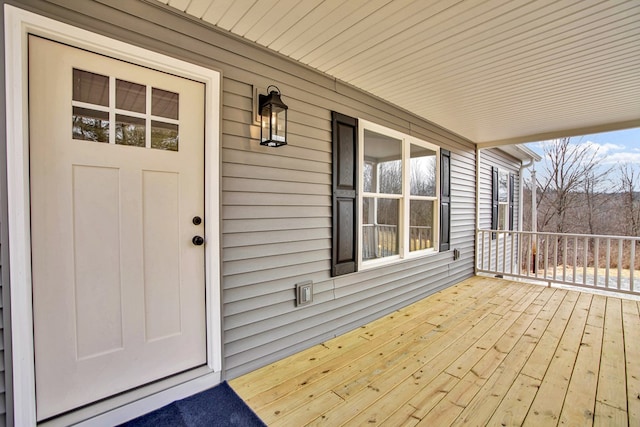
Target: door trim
[{"x": 18, "y": 24}]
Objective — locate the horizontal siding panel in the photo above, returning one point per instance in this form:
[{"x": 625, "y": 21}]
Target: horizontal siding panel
[
  {"x": 266, "y": 186},
  {"x": 273, "y": 224},
  {"x": 236, "y": 170},
  {"x": 275, "y": 301},
  {"x": 394, "y": 268},
  {"x": 385, "y": 282},
  {"x": 271, "y": 304},
  {"x": 239, "y": 240},
  {"x": 275, "y": 261},
  {"x": 282, "y": 308},
  {"x": 237, "y": 116},
  {"x": 238, "y": 88},
  {"x": 236, "y": 151},
  {"x": 274, "y": 199},
  {"x": 232, "y": 102},
  {"x": 304, "y": 115},
  {"x": 263, "y": 212},
  {"x": 296, "y": 271},
  {"x": 295, "y": 130},
  {"x": 257, "y": 251},
  {"x": 255, "y": 292}
]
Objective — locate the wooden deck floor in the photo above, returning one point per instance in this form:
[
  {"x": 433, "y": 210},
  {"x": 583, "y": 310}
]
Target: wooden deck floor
[{"x": 484, "y": 352}]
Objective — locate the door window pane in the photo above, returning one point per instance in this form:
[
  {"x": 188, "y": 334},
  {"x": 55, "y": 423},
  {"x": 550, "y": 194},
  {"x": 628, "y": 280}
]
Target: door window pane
[
  {"x": 421, "y": 225},
  {"x": 130, "y": 131},
  {"x": 90, "y": 125},
  {"x": 422, "y": 171},
  {"x": 164, "y": 104},
  {"x": 90, "y": 88},
  {"x": 164, "y": 136},
  {"x": 131, "y": 96}
]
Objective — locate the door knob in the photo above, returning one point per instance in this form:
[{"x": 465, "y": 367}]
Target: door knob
[{"x": 197, "y": 240}]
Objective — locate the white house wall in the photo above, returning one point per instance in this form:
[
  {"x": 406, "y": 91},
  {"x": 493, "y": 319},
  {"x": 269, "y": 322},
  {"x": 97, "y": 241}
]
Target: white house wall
[{"x": 276, "y": 203}]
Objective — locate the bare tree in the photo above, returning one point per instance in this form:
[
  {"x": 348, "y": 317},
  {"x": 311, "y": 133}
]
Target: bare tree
[
  {"x": 629, "y": 180},
  {"x": 571, "y": 168}
]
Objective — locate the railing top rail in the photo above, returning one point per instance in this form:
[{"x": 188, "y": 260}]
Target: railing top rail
[{"x": 545, "y": 233}]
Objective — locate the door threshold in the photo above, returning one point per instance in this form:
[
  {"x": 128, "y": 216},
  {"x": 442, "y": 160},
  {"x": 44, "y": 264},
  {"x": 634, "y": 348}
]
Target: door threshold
[{"x": 139, "y": 401}]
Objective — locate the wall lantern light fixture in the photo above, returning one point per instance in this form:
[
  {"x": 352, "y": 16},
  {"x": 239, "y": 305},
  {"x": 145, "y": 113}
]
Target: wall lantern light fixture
[{"x": 273, "y": 118}]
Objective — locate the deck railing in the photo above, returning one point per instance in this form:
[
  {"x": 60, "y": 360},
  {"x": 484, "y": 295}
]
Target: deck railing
[
  {"x": 379, "y": 241},
  {"x": 600, "y": 262},
  {"x": 382, "y": 240}
]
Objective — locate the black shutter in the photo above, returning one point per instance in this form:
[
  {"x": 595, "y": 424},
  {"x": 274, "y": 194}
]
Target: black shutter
[
  {"x": 345, "y": 197},
  {"x": 494, "y": 200},
  {"x": 512, "y": 186},
  {"x": 445, "y": 199}
]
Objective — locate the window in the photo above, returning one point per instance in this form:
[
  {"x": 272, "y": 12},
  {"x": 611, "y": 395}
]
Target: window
[
  {"x": 399, "y": 195},
  {"x": 391, "y": 195},
  {"x": 503, "y": 185},
  {"x": 503, "y": 200},
  {"x": 136, "y": 123}
]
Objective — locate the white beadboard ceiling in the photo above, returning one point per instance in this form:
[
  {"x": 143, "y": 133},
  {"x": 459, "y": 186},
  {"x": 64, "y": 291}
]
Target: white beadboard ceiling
[{"x": 494, "y": 71}]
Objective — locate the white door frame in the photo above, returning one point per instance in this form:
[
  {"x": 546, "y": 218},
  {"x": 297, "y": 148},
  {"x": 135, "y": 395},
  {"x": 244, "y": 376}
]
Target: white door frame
[{"x": 18, "y": 24}]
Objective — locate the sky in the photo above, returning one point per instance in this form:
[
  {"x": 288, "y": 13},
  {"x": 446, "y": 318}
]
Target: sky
[{"x": 614, "y": 148}]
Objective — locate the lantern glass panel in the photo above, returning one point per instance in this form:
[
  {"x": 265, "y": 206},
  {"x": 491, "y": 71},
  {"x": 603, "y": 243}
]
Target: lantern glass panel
[
  {"x": 265, "y": 116},
  {"x": 279, "y": 125}
]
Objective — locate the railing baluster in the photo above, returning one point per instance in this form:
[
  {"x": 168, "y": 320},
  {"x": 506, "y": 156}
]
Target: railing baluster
[
  {"x": 555, "y": 257},
  {"x": 513, "y": 245},
  {"x": 504, "y": 252},
  {"x": 596, "y": 260},
  {"x": 619, "y": 263},
  {"x": 546, "y": 256},
  {"x": 575, "y": 257},
  {"x": 491, "y": 251},
  {"x": 632, "y": 265},
  {"x": 564, "y": 258},
  {"x": 608, "y": 260},
  {"x": 481, "y": 248},
  {"x": 585, "y": 261}
]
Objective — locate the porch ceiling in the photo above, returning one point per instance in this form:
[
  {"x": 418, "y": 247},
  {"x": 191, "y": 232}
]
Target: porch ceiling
[{"x": 495, "y": 72}]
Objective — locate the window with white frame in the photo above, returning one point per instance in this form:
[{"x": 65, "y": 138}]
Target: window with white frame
[
  {"x": 503, "y": 200},
  {"x": 502, "y": 206},
  {"x": 399, "y": 195}
]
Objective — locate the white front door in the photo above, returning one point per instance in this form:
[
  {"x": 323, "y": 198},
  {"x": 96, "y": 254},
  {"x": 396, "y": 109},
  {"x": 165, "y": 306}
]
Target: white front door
[{"x": 117, "y": 198}]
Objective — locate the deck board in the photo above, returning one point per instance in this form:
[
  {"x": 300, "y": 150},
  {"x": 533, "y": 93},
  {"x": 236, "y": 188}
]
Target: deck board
[
  {"x": 484, "y": 352},
  {"x": 579, "y": 403},
  {"x": 631, "y": 326}
]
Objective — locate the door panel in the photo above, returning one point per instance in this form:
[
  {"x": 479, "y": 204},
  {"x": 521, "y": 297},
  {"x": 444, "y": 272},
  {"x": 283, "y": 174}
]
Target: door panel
[{"x": 117, "y": 174}]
